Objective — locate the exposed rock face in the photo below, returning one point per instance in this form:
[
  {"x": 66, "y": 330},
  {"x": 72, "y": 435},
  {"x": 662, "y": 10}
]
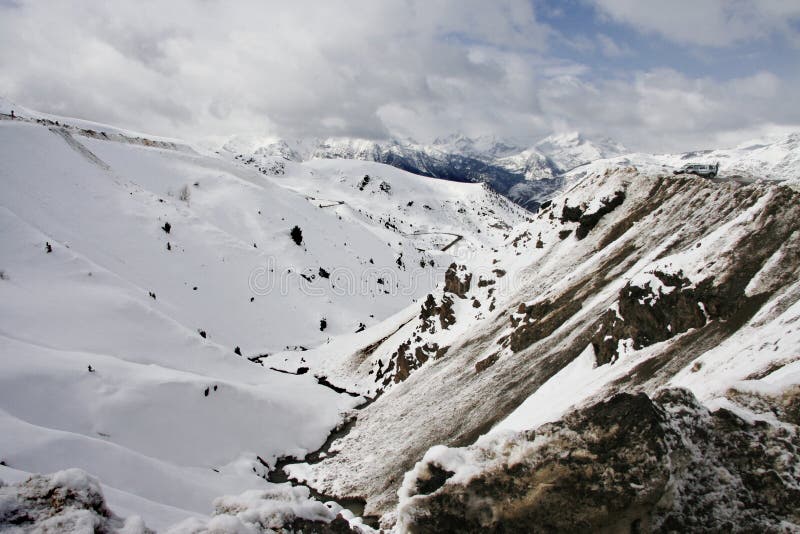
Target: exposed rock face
[
  {"x": 457, "y": 280},
  {"x": 587, "y": 221},
  {"x": 413, "y": 352},
  {"x": 444, "y": 312},
  {"x": 647, "y": 315},
  {"x": 537, "y": 321},
  {"x": 629, "y": 464}
]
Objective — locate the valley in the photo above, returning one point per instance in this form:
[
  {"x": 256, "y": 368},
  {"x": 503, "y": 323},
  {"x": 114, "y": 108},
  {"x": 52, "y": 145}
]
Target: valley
[{"x": 239, "y": 340}]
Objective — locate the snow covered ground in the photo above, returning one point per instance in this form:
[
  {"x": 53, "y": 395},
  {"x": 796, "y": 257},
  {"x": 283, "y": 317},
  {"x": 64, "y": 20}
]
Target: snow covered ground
[{"x": 775, "y": 158}]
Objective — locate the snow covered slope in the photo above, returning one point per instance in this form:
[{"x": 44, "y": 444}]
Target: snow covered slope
[
  {"x": 140, "y": 278},
  {"x": 625, "y": 282}
]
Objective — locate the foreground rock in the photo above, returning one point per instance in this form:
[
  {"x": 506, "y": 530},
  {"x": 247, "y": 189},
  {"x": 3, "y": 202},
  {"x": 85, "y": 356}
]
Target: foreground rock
[
  {"x": 68, "y": 501},
  {"x": 629, "y": 464}
]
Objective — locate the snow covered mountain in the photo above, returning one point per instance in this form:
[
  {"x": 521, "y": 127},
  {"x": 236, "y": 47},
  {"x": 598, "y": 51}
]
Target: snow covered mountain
[
  {"x": 147, "y": 288},
  {"x": 572, "y": 150},
  {"x": 528, "y": 176},
  {"x": 260, "y": 340}
]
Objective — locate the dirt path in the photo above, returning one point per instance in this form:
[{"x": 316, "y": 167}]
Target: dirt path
[{"x": 458, "y": 237}]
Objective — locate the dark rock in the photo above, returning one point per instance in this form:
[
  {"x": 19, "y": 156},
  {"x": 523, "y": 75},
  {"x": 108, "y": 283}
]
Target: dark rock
[
  {"x": 455, "y": 283},
  {"x": 487, "y": 362},
  {"x": 444, "y": 312},
  {"x": 339, "y": 525},
  {"x": 651, "y": 315},
  {"x": 571, "y": 214},
  {"x": 588, "y": 221}
]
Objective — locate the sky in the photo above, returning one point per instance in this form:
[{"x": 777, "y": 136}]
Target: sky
[{"x": 656, "y": 76}]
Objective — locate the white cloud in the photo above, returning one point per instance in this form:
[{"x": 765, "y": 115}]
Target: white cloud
[
  {"x": 664, "y": 110},
  {"x": 415, "y": 68},
  {"x": 707, "y": 22}
]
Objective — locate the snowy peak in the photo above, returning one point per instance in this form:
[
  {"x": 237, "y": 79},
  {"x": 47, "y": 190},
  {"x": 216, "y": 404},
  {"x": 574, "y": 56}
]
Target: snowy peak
[
  {"x": 349, "y": 148},
  {"x": 484, "y": 147},
  {"x": 570, "y": 150}
]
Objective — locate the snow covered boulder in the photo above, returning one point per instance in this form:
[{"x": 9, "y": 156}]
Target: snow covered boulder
[
  {"x": 68, "y": 501},
  {"x": 281, "y": 508}
]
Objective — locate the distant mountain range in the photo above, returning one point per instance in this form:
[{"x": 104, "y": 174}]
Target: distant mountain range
[{"x": 527, "y": 175}]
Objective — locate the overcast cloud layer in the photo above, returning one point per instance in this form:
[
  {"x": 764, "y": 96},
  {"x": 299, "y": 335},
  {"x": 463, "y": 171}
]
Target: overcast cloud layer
[{"x": 654, "y": 75}]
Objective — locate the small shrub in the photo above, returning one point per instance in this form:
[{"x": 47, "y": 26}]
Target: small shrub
[{"x": 297, "y": 235}]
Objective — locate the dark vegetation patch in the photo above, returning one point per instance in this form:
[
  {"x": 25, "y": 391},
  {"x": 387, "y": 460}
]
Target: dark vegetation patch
[{"x": 297, "y": 235}]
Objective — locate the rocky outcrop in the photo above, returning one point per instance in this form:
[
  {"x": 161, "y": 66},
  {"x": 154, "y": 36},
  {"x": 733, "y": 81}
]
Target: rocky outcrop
[
  {"x": 534, "y": 322},
  {"x": 647, "y": 315},
  {"x": 430, "y": 310},
  {"x": 457, "y": 280},
  {"x": 588, "y": 220},
  {"x": 629, "y": 464}
]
